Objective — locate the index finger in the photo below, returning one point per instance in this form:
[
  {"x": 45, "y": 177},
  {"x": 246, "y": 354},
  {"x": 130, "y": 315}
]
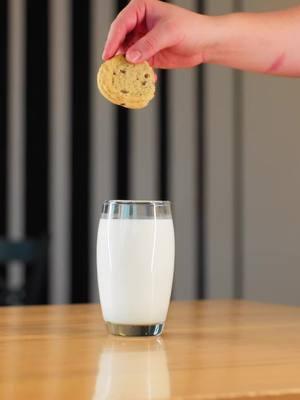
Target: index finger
[{"x": 124, "y": 23}]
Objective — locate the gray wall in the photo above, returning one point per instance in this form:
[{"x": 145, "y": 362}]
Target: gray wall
[
  {"x": 257, "y": 116},
  {"x": 271, "y": 135},
  {"x": 219, "y": 190},
  {"x": 251, "y": 159}
]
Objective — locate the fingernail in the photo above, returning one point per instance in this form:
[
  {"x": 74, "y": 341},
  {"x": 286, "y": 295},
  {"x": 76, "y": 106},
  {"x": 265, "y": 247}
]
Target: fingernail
[{"x": 133, "y": 56}]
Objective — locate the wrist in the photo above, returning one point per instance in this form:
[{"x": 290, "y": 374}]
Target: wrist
[{"x": 216, "y": 33}]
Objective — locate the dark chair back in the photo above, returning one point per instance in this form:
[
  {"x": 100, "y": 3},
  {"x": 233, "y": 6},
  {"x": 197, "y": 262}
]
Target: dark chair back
[{"x": 33, "y": 254}]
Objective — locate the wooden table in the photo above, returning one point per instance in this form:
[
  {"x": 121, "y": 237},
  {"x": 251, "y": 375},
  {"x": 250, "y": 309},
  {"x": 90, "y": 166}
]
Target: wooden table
[{"x": 210, "y": 350}]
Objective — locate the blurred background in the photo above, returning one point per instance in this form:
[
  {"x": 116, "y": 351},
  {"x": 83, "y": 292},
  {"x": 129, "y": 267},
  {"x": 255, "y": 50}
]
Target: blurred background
[{"x": 222, "y": 145}]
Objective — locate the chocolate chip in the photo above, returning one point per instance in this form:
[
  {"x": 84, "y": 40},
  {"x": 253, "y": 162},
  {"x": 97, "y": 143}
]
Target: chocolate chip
[
  {"x": 147, "y": 76},
  {"x": 124, "y": 91},
  {"x": 123, "y": 71}
]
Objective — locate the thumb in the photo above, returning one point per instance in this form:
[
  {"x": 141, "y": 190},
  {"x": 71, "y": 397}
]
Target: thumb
[{"x": 154, "y": 41}]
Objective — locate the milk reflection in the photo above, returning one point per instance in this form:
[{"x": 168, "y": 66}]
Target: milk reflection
[{"x": 133, "y": 369}]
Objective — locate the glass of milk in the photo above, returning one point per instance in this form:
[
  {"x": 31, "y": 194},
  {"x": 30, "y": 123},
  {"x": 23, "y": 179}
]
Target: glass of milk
[{"x": 135, "y": 262}]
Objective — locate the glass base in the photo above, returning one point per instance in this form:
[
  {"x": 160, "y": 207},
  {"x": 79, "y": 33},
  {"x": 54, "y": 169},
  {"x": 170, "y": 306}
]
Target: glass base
[{"x": 135, "y": 330}]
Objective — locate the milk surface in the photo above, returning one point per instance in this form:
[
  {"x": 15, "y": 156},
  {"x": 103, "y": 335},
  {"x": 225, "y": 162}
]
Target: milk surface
[{"x": 135, "y": 259}]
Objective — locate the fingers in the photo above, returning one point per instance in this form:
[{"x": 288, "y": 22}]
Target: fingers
[
  {"x": 154, "y": 41},
  {"x": 131, "y": 38},
  {"x": 125, "y": 22}
]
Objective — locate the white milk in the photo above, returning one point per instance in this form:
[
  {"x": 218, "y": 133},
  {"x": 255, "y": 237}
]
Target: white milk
[{"x": 135, "y": 259}]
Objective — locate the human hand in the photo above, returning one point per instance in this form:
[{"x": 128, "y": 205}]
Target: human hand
[{"x": 165, "y": 35}]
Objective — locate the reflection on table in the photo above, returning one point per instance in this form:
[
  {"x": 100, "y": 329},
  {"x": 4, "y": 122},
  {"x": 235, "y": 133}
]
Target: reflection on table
[{"x": 132, "y": 368}]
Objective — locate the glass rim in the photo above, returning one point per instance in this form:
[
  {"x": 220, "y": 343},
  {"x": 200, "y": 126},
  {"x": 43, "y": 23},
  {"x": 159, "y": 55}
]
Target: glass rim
[
  {"x": 136, "y": 209},
  {"x": 141, "y": 202}
]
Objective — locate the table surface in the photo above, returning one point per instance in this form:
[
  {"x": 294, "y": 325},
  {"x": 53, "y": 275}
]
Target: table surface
[{"x": 210, "y": 350}]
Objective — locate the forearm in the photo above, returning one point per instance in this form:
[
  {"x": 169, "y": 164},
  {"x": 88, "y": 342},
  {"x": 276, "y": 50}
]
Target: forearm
[{"x": 262, "y": 42}]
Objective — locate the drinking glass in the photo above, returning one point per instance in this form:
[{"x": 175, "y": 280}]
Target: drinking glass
[{"x": 135, "y": 264}]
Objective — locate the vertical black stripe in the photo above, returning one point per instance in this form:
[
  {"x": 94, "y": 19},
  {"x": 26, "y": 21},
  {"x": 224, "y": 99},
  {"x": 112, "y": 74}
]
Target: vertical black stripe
[
  {"x": 3, "y": 120},
  {"x": 36, "y": 221},
  {"x": 164, "y": 139},
  {"x": 238, "y": 164},
  {"x": 200, "y": 148},
  {"x": 122, "y": 188},
  {"x": 200, "y": 209},
  {"x": 238, "y": 153},
  {"x": 123, "y": 154},
  {"x": 80, "y": 150}
]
